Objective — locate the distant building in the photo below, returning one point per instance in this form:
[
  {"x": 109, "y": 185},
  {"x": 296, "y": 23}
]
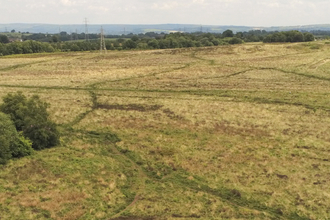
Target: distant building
[{"x": 14, "y": 39}]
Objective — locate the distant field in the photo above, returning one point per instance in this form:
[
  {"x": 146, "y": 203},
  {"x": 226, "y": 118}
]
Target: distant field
[{"x": 238, "y": 132}]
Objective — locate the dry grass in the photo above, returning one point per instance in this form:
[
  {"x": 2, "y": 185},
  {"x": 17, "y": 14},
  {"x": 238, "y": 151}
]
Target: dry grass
[{"x": 225, "y": 132}]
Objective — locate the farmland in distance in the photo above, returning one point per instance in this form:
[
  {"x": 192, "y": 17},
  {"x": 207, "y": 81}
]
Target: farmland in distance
[{"x": 239, "y": 132}]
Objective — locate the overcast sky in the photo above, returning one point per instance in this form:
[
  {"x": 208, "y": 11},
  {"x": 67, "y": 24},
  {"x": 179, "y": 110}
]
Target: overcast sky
[{"x": 213, "y": 12}]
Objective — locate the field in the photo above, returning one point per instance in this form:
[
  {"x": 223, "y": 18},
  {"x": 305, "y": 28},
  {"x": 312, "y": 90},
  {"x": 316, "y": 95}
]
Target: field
[{"x": 237, "y": 132}]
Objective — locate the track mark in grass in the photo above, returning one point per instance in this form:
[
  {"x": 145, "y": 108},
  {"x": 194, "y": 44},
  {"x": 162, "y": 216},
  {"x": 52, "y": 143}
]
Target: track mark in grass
[
  {"x": 295, "y": 73},
  {"x": 281, "y": 176},
  {"x": 44, "y": 87},
  {"x": 240, "y": 72},
  {"x": 231, "y": 196},
  {"x": 282, "y": 102},
  {"x": 242, "y": 97},
  {"x": 193, "y": 55},
  {"x": 169, "y": 113},
  {"x": 319, "y": 63},
  {"x": 216, "y": 93},
  {"x": 94, "y": 85},
  {"x": 81, "y": 116},
  {"x": 134, "y": 218},
  {"x": 20, "y": 65},
  {"x": 131, "y": 107},
  {"x": 141, "y": 177},
  {"x": 27, "y": 64}
]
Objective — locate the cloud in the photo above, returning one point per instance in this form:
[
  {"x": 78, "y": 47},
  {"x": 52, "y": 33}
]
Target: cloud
[
  {"x": 98, "y": 8},
  {"x": 68, "y": 2},
  {"x": 199, "y": 1},
  {"x": 218, "y": 12},
  {"x": 166, "y": 6}
]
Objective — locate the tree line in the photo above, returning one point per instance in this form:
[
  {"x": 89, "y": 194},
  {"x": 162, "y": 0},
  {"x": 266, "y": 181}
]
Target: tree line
[
  {"x": 289, "y": 36},
  {"x": 150, "y": 40}
]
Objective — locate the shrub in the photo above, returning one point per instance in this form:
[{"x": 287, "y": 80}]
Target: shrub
[
  {"x": 7, "y": 135},
  {"x": 235, "y": 40},
  {"x": 31, "y": 117},
  {"x": 15, "y": 106},
  {"x": 12, "y": 144},
  {"x": 43, "y": 134},
  {"x": 21, "y": 147}
]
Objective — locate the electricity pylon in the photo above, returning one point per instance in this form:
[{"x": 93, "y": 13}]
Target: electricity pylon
[
  {"x": 103, "y": 49},
  {"x": 86, "y": 30}
]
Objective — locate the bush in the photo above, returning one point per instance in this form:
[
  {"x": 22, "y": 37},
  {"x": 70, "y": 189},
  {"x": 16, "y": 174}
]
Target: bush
[
  {"x": 7, "y": 135},
  {"x": 21, "y": 147},
  {"x": 42, "y": 134},
  {"x": 15, "y": 107},
  {"x": 235, "y": 40},
  {"x": 30, "y": 116},
  {"x": 12, "y": 144}
]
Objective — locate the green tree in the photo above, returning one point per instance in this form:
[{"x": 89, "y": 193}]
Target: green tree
[
  {"x": 31, "y": 117},
  {"x": 55, "y": 39},
  {"x": 142, "y": 46},
  {"x": 205, "y": 42},
  {"x": 215, "y": 42},
  {"x": 278, "y": 37},
  {"x": 239, "y": 35},
  {"x": 129, "y": 44},
  {"x": 235, "y": 40},
  {"x": 3, "y": 50},
  {"x": 135, "y": 38},
  {"x": 309, "y": 37},
  {"x": 15, "y": 106},
  {"x": 7, "y": 136},
  {"x": 21, "y": 147},
  {"x": 12, "y": 144},
  {"x": 153, "y": 44},
  {"x": 164, "y": 43},
  {"x": 228, "y": 33},
  {"x": 4, "y": 39},
  {"x": 298, "y": 37}
]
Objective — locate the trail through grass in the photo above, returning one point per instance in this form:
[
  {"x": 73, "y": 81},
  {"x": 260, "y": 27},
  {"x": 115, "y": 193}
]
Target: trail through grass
[{"x": 237, "y": 132}]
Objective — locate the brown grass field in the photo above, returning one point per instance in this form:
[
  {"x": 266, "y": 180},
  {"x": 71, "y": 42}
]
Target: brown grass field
[{"x": 230, "y": 132}]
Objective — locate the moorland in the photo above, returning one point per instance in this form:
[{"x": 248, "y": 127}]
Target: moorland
[{"x": 235, "y": 131}]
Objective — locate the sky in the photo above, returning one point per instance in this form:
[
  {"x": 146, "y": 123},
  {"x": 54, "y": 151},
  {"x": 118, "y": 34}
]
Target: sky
[{"x": 206, "y": 12}]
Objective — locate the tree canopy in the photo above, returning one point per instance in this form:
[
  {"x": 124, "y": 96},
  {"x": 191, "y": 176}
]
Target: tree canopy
[
  {"x": 30, "y": 117},
  {"x": 12, "y": 143},
  {"x": 4, "y": 39}
]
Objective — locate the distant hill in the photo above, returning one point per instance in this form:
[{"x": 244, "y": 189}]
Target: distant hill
[{"x": 166, "y": 28}]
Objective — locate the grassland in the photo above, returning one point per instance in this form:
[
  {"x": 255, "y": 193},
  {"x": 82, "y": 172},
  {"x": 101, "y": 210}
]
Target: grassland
[{"x": 238, "y": 132}]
